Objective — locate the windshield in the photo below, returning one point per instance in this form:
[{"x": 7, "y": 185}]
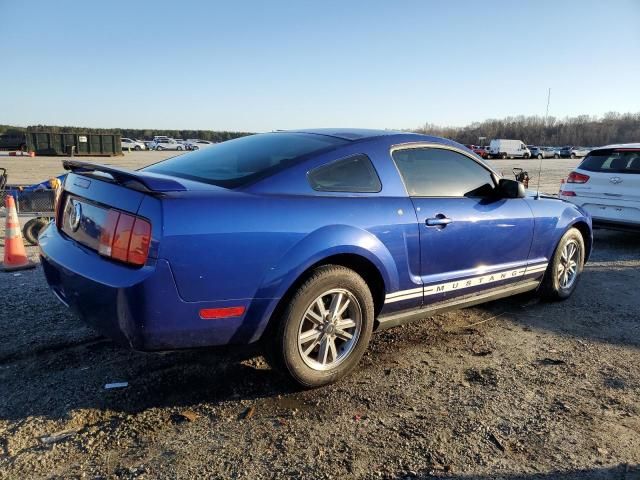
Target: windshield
[
  {"x": 237, "y": 162},
  {"x": 613, "y": 161}
]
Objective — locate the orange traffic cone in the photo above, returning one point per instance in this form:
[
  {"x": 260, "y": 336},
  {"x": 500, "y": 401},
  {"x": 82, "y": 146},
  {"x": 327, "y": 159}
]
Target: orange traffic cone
[{"x": 15, "y": 256}]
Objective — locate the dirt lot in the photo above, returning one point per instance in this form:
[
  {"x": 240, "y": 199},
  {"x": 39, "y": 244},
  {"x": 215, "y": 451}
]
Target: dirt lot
[
  {"x": 515, "y": 389},
  {"x": 27, "y": 170}
]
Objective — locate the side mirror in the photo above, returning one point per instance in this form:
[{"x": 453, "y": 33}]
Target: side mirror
[{"x": 508, "y": 188}]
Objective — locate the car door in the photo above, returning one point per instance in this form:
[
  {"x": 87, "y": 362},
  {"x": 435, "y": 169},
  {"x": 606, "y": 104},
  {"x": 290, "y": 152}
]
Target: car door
[{"x": 470, "y": 240}]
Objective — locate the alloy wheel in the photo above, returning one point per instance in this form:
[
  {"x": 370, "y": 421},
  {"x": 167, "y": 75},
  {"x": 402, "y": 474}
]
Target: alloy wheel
[
  {"x": 568, "y": 266},
  {"x": 330, "y": 329}
]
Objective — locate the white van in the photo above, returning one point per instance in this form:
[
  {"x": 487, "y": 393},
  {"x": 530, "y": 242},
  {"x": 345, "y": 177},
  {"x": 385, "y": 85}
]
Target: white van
[{"x": 500, "y": 148}]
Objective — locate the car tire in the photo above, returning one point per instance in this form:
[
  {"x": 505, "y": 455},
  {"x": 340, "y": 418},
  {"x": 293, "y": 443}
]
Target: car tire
[
  {"x": 558, "y": 284},
  {"x": 32, "y": 229},
  {"x": 305, "y": 344},
  {"x": 539, "y": 156},
  {"x": 556, "y": 156},
  {"x": 179, "y": 149},
  {"x": 137, "y": 148},
  {"x": 503, "y": 156},
  {"x": 159, "y": 148},
  {"x": 526, "y": 155},
  {"x": 573, "y": 155}
]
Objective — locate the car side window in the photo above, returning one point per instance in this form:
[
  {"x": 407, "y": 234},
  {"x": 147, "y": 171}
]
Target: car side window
[
  {"x": 438, "y": 172},
  {"x": 352, "y": 174}
]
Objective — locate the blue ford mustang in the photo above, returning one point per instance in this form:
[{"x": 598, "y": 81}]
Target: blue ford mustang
[{"x": 307, "y": 241}]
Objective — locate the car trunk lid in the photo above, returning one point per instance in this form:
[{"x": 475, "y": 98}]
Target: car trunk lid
[{"x": 115, "y": 212}]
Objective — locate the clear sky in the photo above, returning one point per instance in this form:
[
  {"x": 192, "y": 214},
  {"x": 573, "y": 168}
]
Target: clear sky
[{"x": 272, "y": 64}]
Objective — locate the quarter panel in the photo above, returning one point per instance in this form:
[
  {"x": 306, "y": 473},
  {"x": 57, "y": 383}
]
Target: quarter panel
[
  {"x": 553, "y": 217},
  {"x": 250, "y": 246}
]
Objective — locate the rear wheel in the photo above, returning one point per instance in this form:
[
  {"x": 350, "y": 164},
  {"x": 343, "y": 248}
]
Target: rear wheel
[
  {"x": 539, "y": 156},
  {"x": 573, "y": 155},
  {"x": 137, "y": 148},
  {"x": 503, "y": 156},
  {"x": 565, "y": 268},
  {"x": 556, "y": 155},
  {"x": 324, "y": 329},
  {"x": 179, "y": 148}
]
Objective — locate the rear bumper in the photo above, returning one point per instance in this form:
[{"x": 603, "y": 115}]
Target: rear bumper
[
  {"x": 139, "y": 308},
  {"x": 606, "y": 212}
]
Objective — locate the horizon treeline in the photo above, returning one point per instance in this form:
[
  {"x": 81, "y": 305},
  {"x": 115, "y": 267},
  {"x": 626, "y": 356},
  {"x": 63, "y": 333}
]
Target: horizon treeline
[{"x": 583, "y": 130}]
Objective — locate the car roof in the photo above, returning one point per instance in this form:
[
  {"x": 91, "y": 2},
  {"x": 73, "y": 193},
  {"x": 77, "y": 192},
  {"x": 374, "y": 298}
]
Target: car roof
[
  {"x": 348, "y": 133},
  {"x": 388, "y": 136},
  {"x": 618, "y": 145}
]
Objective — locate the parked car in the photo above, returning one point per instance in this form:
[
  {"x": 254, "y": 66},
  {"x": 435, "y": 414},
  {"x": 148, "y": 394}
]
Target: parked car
[
  {"x": 197, "y": 144},
  {"x": 167, "y": 144},
  {"x": 304, "y": 241},
  {"x": 129, "y": 144},
  {"x": 607, "y": 185},
  {"x": 478, "y": 150},
  {"x": 501, "y": 148},
  {"x": 574, "y": 152},
  {"x": 543, "y": 152}
]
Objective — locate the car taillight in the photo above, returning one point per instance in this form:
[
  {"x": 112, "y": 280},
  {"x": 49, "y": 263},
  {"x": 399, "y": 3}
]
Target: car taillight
[
  {"x": 568, "y": 193},
  {"x": 125, "y": 238},
  {"x": 575, "y": 177}
]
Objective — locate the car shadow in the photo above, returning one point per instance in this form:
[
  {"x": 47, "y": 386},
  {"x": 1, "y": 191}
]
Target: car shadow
[
  {"x": 622, "y": 471},
  {"x": 76, "y": 378},
  {"x": 605, "y": 304}
]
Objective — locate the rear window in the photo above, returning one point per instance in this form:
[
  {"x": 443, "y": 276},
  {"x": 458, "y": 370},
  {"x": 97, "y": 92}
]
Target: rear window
[
  {"x": 353, "y": 174},
  {"x": 240, "y": 161},
  {"x": 612, "y": 161}
]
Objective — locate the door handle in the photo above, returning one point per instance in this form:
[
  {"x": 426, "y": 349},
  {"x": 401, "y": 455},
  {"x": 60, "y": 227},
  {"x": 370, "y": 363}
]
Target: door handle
[{"x": 439, "y": 221}]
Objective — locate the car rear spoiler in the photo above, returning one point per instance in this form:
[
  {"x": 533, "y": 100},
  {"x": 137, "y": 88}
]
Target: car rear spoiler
[{"x": 147, "y": 182}]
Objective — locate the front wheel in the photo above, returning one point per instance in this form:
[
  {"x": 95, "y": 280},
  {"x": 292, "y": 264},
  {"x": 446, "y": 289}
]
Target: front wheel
[
  {"x": 565, "y": 268},
  {"x": 159, "y": 148},
  {"x": 556, "y": 156},
  {"x": 324, "y": 329},
  {"x": 539, "y": 156},
  {"x": 573, "y": 155},
  {"x": 503, "y": 156},
  {"x": 137, "y": 148}
]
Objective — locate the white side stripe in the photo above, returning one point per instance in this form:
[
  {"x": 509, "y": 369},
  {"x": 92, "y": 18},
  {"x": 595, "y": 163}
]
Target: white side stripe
[
  {"x": 465, "y": 283},
  {"x": 402, "y": 293}
]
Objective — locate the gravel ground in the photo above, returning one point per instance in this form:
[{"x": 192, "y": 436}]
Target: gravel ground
[{"x": 514, "y": 389}]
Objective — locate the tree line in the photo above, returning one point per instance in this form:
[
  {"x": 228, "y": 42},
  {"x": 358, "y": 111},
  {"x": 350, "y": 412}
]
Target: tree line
[
  {"x": 142, "y": 134},
  {"x": 583, "y": 130}
]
